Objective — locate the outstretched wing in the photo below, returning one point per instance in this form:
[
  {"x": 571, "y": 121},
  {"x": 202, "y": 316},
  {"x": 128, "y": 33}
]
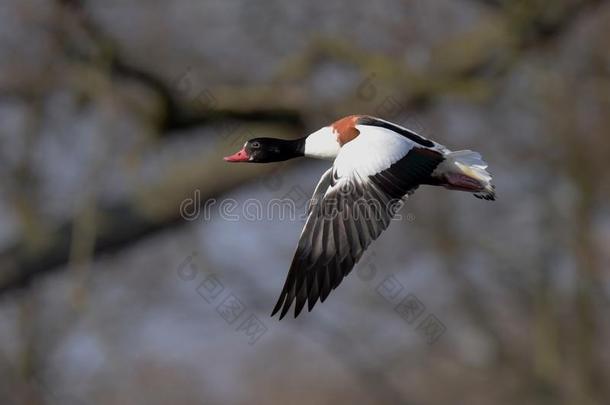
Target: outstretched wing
[{"x": 350, "y": 208}]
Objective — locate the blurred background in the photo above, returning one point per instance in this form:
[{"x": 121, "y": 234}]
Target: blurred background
[{"x": 121, "y": 283}]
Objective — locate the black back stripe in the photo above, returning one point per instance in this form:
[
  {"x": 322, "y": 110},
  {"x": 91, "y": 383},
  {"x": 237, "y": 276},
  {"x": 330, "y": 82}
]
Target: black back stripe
[
  {"x": 407, "y": 173},
  {"x": 376, "y": 122}
]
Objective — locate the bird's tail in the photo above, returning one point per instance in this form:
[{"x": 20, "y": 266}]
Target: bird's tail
[{"x": 464, "y": 170}]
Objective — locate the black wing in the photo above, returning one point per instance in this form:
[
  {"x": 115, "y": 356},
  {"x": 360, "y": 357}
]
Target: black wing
[
  {"x": 378, "y": 122},
  {"x": 347, "y": 214}
]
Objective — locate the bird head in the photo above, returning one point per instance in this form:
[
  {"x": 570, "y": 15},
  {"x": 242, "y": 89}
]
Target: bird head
[{"x": 265, "y": 150}]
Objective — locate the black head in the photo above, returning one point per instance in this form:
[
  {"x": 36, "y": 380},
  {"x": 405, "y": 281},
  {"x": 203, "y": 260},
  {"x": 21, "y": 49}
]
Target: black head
[{"x": 265, "y": 150}]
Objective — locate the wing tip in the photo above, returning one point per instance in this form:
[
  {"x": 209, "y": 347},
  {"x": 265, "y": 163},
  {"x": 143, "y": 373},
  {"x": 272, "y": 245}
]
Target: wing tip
[
  {"x": 489, "y": 194},
  {"x": 279, "y": 305},
  {"x": 283, "y": 305}
]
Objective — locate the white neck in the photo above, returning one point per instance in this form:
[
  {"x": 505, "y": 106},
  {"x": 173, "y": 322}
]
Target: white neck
[{"x": 322, "y": 144}]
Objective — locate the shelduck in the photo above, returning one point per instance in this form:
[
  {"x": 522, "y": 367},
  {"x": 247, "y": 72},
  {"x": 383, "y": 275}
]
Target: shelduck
[{"x": 376, "y": 165}]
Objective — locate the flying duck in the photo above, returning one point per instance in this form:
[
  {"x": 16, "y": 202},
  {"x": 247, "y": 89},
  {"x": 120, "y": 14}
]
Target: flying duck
[{"x": 376, "y": 165}]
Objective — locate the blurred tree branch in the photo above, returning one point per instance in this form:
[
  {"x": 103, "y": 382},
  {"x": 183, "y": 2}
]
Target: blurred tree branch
[
  {"x": 129, "y": 223},
  {"x": 152, "y": 208}
]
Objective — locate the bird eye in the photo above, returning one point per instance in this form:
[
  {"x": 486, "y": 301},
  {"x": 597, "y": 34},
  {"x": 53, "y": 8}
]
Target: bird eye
[{"x": 255, "y": 145}]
